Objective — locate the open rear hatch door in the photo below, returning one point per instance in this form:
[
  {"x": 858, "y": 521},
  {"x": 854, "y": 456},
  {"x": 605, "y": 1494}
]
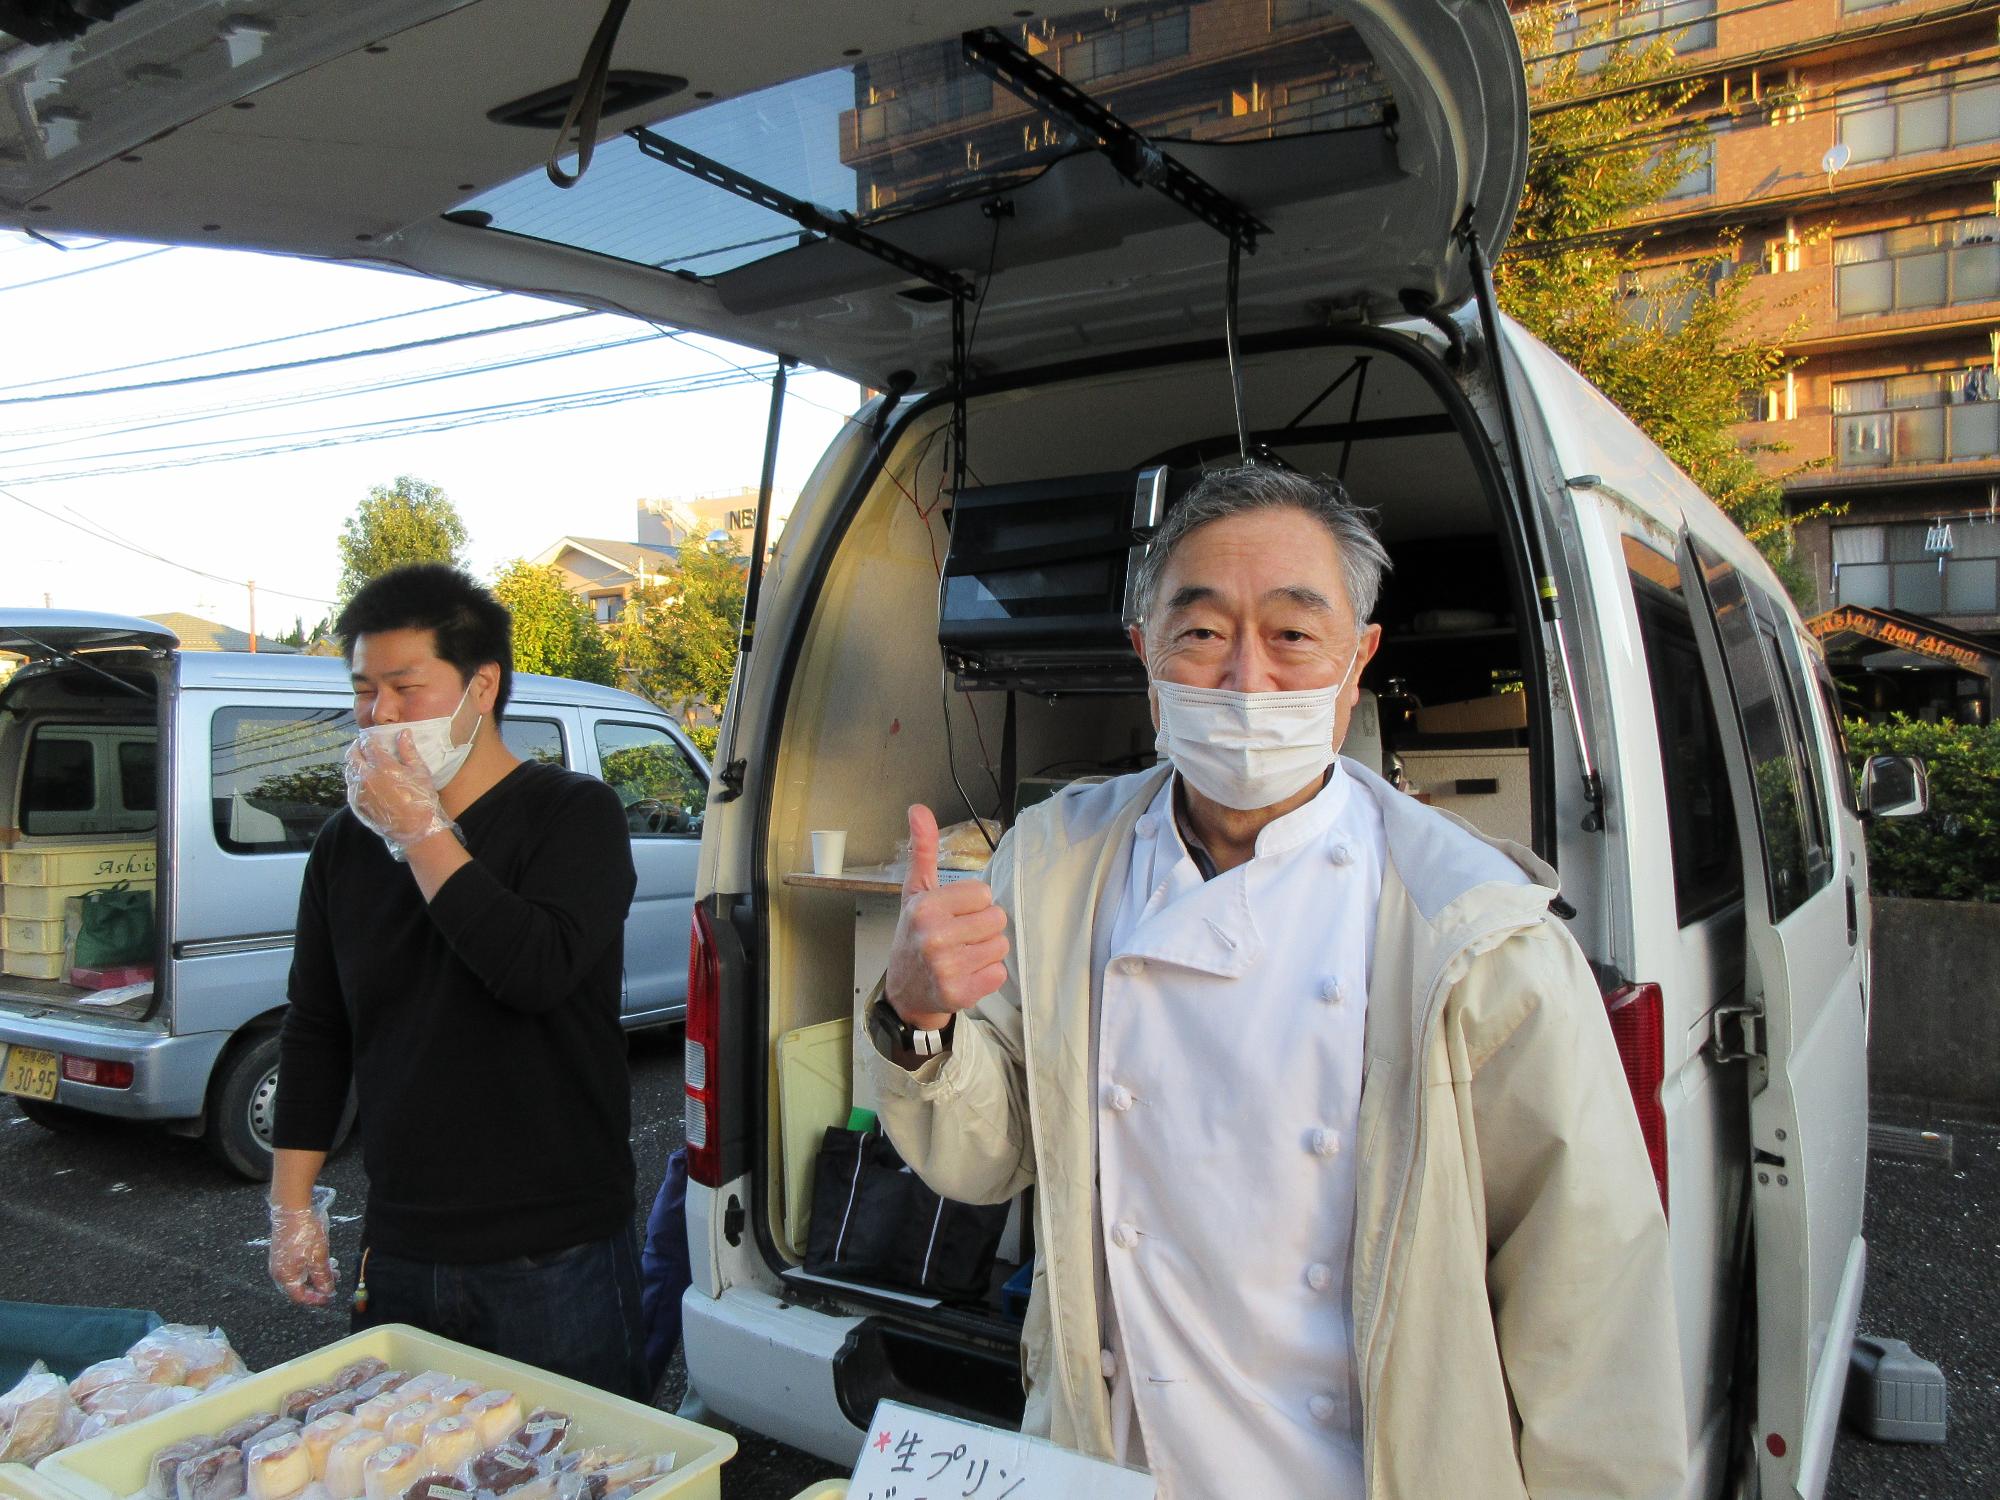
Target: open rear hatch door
[
  {"x": 1359, "y": 136},
  {"x": 56, "y": 634},
  {"x": 1801, "y": 1035}
]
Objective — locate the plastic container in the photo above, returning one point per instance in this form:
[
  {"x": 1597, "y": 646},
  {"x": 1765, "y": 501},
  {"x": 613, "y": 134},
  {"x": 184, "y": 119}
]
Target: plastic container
[
  {"x": 826, "y": 1489},
  {"x": 34, "y": 965},
  {"x": 66, "y": 1339},
  {"x": 44, "y": 903},
  {"x": 34, "y": 935},
  {"x": 19, "y": 1482},
  {"x": 98, "y": 864},
  {"x": 814, "y": 1064},
  {"x": 115, "y": 1465}
]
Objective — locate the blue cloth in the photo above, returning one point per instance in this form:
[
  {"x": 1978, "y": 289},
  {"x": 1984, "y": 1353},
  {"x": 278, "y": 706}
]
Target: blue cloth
[
  {"x": 66, "y": 1339},
  {"x": 665, "y": 1267},
  {"x": 574, "y": 1312}
]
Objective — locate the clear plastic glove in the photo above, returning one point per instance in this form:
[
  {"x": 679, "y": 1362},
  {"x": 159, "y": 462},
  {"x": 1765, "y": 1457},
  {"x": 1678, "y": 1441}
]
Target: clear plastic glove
[
  {"x": 299, "y": 1261},
  {"x": 392, "y": 794}
]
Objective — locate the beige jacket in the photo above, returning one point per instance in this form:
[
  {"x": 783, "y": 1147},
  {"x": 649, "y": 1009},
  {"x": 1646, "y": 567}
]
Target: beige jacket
[{"x": 1513, "y": 1306}]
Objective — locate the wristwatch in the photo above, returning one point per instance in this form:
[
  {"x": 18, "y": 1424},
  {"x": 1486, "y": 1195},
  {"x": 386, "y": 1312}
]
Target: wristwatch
[{"x": 896, "y": 1034}]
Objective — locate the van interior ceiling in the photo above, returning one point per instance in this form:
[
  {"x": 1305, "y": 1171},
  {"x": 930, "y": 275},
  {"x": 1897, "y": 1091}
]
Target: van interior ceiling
[
  {"x": 873, "y": 721},
  {"x": 81, "y": 771}
]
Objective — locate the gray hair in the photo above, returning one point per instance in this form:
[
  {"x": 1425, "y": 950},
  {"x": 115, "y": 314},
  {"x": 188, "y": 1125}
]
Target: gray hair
[{"x": 1222, "y": 493}]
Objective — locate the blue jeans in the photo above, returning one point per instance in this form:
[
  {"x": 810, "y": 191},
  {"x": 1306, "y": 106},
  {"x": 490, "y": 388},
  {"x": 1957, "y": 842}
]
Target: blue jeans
[
  {"x": 574, "y": 1312},
  {"x": 666, "y": 1271}
]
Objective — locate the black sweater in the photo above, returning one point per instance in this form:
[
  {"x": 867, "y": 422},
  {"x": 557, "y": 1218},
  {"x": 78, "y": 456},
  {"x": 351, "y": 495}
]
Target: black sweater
[{"x": 480, "y": 1030}]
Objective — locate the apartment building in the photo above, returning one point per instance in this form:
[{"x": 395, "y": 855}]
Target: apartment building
[{"x": 1852, "y": 150}]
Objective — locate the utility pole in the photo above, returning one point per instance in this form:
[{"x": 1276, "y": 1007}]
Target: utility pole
[{"x": 253, "y": 614}]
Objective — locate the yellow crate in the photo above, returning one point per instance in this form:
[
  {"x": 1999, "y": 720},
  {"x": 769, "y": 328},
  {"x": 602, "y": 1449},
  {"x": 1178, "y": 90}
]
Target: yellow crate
[
  {"x": 115, "y": 1465},
  {"x": 27, "y": 935},
  {"x": 44, "y": 903},
  {"x": 19, "y": 1482},
  {"x": 102, "y": 863},
  {"x": 33, "y": 965},
  {"x": 826, "y": 1489}
]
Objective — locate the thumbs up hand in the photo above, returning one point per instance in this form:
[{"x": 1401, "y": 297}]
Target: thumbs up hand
[{"x": 950, "y": 940}]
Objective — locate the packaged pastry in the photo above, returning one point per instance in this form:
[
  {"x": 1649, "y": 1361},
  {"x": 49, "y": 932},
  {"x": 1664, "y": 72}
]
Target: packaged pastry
[
  {"x": 438, "y": 1487},
  {"x": 215, "y": 1475},
  {"x": 501, "y": 1469},
  {"x": 37, "y": 1417},
  {"x": 365, "y": 1368},
  {"x": 211, "y": 1360},
  {"x": 238, "y": 1433},
  {"x": 407, "y": 1426},
  {"x": 419, "y": 1387},
  {"x": 543, "y": 1433},
  {"x": 450, "y": 1443},
  {"x": 184, "y": 1354},
  {"x": 390, "y": 1470},
  {"x": 129, "y": 1401},
  {"x": 167, "y": 1463},
  {"x": 457, "y": 1395},
  {"x": 297, "y": 1403},
  {"x": 346, "y": 1462},
  {"x": 380, "y": 1383},
  {"x": 339, "y": 1401},
  {"x": 319, "y": 1436},
  {"x": 496, "y": 1414},
  {"x": 603, "y": 1456},
  {"x": 105, "y": 1372},
  {"x": 374, "y": 1413},
  {"x": 277, "y": 1427},
  {"x": 277, "y": 1468}
]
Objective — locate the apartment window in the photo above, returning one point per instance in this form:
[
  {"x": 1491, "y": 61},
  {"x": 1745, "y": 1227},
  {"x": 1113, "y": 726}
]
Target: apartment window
[
  {"x": 1670, "y": 293},
  {"x": 1934, "y": 113},
  {"x": 1939, "y": 416},
  {"x": 1926, "y": 567},
  {"x": 916, "y": 110},
  {"x": 1782, "y": 255},
  {"x": 1137, "y": 44},
  {"x": 1923, "y": 265},
  {"x": 1688, "y": 24},
  {"x": 1849, "y": 7},
  {"x": 1699, "y": 178},
  {"x": 1291, "y": 12}
]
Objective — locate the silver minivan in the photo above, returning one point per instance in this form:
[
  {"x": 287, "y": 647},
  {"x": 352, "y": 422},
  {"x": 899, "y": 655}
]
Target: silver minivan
[
  {"x": 1081, "y": 254},
  {"x": 203, "y": 777}
]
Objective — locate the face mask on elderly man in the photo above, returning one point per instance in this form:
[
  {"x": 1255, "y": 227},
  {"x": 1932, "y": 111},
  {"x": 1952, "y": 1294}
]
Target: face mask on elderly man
[
  {"x": 398, "y": 803},
  {"x": 1248, "y": 750}
]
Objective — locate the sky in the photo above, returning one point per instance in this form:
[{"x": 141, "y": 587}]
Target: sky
[{"x": 185, "y": 471}]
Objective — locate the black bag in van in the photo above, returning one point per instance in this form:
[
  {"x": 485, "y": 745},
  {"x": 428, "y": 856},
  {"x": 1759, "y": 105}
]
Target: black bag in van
[{"x": 873, "y": 1220}]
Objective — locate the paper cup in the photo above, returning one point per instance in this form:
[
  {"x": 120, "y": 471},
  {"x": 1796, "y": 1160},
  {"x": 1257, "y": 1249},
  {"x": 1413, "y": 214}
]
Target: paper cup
[{"x": 829, "y": 851}]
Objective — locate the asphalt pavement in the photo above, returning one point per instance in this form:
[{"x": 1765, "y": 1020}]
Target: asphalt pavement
[{"x": 124, "y": 1216}]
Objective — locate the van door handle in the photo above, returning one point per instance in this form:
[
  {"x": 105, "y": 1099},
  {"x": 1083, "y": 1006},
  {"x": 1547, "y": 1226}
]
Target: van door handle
[{"x": 1853, "y": 915}]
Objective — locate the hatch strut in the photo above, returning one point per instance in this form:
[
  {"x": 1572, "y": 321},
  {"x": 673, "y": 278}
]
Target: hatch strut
[
  {"x": 1139, "y": 161},
  {"x": 832, "y": 223},
  {"x": 731, "y": 767},
  {"x": 1545, "y": 581}
]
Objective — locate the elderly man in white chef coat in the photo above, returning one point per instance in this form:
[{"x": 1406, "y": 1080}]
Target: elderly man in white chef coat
[{"x": 1339, "y": 1189}]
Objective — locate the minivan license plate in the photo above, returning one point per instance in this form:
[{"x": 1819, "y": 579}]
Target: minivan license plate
[{"x": 29, "y": 1072}]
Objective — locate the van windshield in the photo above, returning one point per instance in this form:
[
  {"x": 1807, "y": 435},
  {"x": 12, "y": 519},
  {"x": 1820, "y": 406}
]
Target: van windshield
[{"x": 917, "y": 127}]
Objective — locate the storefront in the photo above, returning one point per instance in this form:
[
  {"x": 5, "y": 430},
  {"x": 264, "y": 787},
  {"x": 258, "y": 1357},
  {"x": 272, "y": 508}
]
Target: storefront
[{"x": 1888, "y": 662}]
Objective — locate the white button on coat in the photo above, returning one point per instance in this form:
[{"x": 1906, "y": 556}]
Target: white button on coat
[
  {"x": 1118, "y": 1097},
  {"x": 1319, "y": 1276},
  {"x": 1332, "y": 991},
  {"x": 1108, "y": 1363},
  {"x": 1341, "y": 855},
  {"x": 1124, "y": 1236},
  {"x": 1323, "y": 1408},
  {"x": 1324, "y": 1142}
]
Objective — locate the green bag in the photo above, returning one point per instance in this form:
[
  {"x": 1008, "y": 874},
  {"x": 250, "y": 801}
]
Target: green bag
[{"x": 116, "y": 928}]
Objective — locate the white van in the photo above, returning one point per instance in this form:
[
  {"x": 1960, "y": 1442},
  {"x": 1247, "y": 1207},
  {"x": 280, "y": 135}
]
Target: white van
[
  {"x": 202, "y": 777},
  {"x": 1042, "y": 236}
]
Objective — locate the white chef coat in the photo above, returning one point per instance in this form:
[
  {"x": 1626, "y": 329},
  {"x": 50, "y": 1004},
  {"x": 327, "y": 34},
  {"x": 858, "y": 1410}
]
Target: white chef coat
[{"x": 1229, "y": 1065}]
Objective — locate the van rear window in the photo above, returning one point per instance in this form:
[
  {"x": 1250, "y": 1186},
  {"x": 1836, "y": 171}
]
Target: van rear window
[
  {"x": 89, "y": 779},
  {"x": 62, "y": 778},
  {"x": 274, "y": 775}
]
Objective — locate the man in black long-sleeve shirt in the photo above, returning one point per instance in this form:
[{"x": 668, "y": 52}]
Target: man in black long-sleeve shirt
[{"x": 459, "y": 959}]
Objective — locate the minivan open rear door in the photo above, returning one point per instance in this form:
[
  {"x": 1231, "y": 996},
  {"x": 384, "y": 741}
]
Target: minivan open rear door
[
  {"x": 47, "y": 634},
  {"x": 1801, "y": 1034}
]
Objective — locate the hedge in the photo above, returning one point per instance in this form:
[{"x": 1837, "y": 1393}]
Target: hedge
[{"x": 1952, "y": 852}]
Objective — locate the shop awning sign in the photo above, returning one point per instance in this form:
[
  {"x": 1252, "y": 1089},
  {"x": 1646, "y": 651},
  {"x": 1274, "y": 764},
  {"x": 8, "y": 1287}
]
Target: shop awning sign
[{"x": 1876, "y": 626}]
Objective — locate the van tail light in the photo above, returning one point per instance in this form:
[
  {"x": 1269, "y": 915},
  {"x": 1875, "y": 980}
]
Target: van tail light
[
  {"x": 703, "y": 1033},
  {"x": 105, "y": 1075},
  {"x": 1637, "y": 1013}
]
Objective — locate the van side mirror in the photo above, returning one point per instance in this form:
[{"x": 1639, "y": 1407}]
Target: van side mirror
[{"x": 1895, "y": 786}]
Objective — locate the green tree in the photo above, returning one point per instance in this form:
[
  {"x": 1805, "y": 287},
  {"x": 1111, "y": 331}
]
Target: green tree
[
  {"x": 1673, "y": 349},
  {"x": 407, "y": 522},
  {"x": 677, "y": 638},
  {"x": 554, "y": 630}
]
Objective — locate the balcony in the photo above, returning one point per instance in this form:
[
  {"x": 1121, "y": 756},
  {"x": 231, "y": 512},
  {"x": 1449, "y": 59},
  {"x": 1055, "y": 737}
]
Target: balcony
[{"x": 1890, "y": 438}]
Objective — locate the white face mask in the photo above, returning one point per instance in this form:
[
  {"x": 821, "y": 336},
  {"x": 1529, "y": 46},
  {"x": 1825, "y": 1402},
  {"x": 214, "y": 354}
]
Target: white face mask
[
  {"x": 1248, "y": 750},
  {"x": 431, "y": 738}
]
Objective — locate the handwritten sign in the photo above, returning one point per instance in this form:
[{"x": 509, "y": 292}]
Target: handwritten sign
[{"x": 919, "y": 1455}]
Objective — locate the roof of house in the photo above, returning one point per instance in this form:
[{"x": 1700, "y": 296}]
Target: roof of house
[
  {"x": 626, "y": 555},
  {"x": 197, "y": 634}
]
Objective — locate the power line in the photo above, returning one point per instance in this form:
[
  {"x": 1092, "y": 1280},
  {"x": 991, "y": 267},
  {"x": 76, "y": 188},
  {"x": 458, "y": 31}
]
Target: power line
[
  {"x": 97, "y": 432},
  {"x": 283, "y": 338},
  {"x": 103, "y": 534},
  {"x": 22, "y": 286},
  {"x": 300, "y": 364}
]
